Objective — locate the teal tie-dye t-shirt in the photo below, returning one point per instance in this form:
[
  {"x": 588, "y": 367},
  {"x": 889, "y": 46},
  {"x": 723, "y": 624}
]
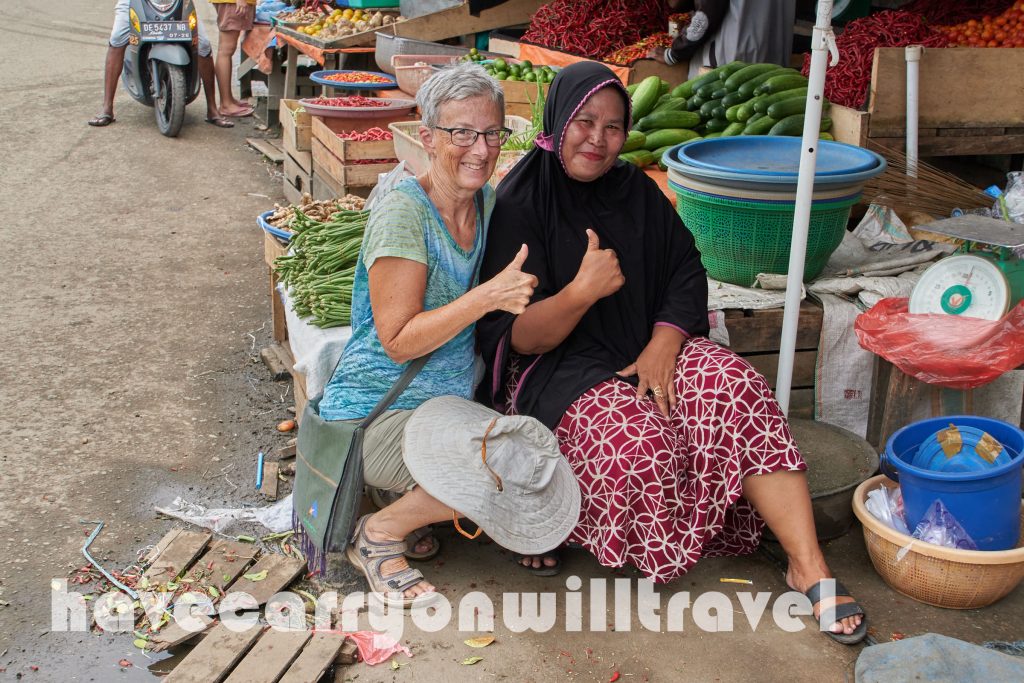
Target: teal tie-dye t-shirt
[{"x": 406, "y": 224}]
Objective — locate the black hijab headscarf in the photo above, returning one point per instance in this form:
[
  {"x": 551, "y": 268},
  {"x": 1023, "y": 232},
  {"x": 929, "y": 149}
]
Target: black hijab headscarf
[{"x": 541, "y": 206}]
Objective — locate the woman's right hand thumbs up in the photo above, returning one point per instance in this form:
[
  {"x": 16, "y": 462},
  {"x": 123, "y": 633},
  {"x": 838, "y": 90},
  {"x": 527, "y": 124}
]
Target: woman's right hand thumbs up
[
  {"x": 511, "y": 289},
  {"x": 599, "y": 274}
]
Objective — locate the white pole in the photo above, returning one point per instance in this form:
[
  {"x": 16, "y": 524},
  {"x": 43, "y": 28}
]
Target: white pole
[
  {"x": 822, "y": 43},
  {"x": 913, "y": 57}
]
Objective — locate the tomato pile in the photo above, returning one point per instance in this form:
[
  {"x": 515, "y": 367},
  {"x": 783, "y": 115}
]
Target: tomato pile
[
  {"x": 1004, "y": 30},
  {"x": 358, "y": 77},
  {"x": 351, "y": 101}
]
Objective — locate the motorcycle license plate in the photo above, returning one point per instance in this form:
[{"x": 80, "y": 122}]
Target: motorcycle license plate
[{"x": 159, "y": 31}]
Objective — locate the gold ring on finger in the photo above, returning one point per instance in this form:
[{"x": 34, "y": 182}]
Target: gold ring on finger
[{"x": 658, "y": 391}]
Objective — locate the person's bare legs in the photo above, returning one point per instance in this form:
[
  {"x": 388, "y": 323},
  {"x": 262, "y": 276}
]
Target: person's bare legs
[
  {"x": 206, "y": 75},
  {"x": 413, "y": 510},
  {"x": 784, "y": 502},
  {"x": 111, "y": 74},
  {"x": 226, "y": 47}
]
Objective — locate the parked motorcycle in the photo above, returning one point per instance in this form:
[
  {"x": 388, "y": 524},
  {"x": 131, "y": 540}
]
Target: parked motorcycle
[{"x": 161, "y": 68}]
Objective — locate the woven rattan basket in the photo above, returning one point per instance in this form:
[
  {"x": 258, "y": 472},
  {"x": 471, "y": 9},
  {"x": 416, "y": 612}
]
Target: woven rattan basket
[{"x": 944, "y": 577}]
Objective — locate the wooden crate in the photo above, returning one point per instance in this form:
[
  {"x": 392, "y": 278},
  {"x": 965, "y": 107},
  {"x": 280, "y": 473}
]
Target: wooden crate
[
  {"x": 296, "y": 127},
  {"x": 755, "y": 335},
  {"x": 272, "y": 248},
  {"x": 519, "y": 96},
  {"x": 351, "y": 150},
  {"x": 297, "y": 180},
  {"x": 971, "y": 102},
  {"x": 346, "y": 176},
  {"x": 460, "y": 21}
]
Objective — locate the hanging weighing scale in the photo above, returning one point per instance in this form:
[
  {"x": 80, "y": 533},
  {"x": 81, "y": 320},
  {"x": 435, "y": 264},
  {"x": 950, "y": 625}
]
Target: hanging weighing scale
[{"x": 984, "y": 279}]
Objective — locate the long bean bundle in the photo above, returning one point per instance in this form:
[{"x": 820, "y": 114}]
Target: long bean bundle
[{"x": 320, "y": 266}]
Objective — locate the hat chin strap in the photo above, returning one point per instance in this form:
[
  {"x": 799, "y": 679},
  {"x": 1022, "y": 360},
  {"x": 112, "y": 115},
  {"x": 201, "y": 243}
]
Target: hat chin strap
[
  {"x": 455, "y": 519},
  {"x": 497, "y": 480}
]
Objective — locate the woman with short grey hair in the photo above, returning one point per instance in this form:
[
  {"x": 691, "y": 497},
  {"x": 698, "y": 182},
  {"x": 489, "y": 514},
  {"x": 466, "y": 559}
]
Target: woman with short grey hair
[{"x": 416, "y": 293}]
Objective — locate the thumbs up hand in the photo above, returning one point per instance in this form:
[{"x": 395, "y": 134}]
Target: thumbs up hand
[
  {"x": 599, "y": 274},
  {"x": 511, "y": 289}
]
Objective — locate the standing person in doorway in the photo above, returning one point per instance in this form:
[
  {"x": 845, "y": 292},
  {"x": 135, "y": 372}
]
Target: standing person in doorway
[
  {"x": 119, "y": 36},
  {"x": 722, "y": 31},
  {"x": 233, "y": 17}
]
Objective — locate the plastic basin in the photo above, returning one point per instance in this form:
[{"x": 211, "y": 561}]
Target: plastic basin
[{"x": 986, "y": 503}]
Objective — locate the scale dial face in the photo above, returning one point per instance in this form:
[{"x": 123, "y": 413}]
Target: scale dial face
[{"x": 964, "y": 285}]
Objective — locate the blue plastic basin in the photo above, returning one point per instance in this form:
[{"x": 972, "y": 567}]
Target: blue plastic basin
[
  {"x": 775, "y": 155},
  {"x": 986, "y": 503}
]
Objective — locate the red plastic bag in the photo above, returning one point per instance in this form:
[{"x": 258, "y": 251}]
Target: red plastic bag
[{"x": 946, "y": 350}]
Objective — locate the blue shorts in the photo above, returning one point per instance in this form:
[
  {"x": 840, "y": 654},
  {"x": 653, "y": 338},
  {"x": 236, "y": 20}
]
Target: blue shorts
[{"x": 123, "y": 30}]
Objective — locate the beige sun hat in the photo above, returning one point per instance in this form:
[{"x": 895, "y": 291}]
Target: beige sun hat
[{"x": 537, "y": 502}]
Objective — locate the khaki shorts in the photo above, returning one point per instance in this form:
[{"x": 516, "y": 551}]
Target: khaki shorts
[
  {"x": 383, "y": 464},
  {"x": 231, "y": 17}
]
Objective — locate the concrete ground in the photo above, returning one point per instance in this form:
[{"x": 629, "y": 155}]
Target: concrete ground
[{"x": 134, "y": 308}]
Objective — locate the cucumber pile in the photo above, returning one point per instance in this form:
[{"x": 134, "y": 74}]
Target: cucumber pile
[{"x": 734, "y": 99}]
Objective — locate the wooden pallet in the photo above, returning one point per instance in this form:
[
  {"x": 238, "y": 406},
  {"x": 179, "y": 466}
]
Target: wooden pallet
[{"x": 259, "y": 654}]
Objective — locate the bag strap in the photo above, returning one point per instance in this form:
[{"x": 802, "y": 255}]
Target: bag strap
[{"x": 401, "y": 385}]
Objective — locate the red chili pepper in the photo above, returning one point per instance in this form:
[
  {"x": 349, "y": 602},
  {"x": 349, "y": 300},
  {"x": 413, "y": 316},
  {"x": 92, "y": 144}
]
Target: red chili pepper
[
  {"x": 357, "y": 77},
  {"x": 594, "y": 29},
  {"x": 351, "y": 101},
  {"x": 629, "y": 54},
  {"x": 615, "y": 677},
  {"x": 847, "y": 83},
  {"x": 373, "y": 134}
]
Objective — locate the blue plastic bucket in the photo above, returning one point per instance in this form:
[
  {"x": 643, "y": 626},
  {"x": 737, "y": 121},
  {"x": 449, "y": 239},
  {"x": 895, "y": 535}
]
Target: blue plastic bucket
[{"x": 987, "y": 503}]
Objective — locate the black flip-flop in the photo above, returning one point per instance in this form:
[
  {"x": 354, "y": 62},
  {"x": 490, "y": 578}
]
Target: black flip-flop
[
  {"x": 101, "y": 120},
  {"x": 543, "y": 569},
  {"x": 838, "y": 612},
  {"x": 220, "y": 122}
]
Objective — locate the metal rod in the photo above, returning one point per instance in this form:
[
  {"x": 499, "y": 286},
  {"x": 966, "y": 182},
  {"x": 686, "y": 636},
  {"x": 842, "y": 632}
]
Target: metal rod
[
  {"x": 106, "y": 574},
  {"x": 913, "y": 57},
  {"x": 821, "y": 44}
]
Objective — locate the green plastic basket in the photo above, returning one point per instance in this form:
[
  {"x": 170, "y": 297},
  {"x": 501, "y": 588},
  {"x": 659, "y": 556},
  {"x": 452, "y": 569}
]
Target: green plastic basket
[{"x": 740, "y": 238}]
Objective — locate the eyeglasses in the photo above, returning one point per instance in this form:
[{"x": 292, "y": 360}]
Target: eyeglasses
[{"x": 466, "y": 137}]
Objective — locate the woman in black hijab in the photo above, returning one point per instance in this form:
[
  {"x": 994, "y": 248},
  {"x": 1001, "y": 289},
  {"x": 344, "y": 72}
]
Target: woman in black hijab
[{"x": 680, "y": 448}]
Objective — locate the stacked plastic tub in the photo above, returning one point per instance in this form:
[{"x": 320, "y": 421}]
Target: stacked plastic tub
[{"x": 737, "y": 195}]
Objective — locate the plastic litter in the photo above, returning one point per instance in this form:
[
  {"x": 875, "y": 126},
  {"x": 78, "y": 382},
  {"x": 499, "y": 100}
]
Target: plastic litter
[
  {"x": 886, "y": 504},
  {"x": 1010, "y": 206},
  {"x": 946, "y": 350},
  {"x": 276, "y": 517},
  {"x": 940, "y": 527}
]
